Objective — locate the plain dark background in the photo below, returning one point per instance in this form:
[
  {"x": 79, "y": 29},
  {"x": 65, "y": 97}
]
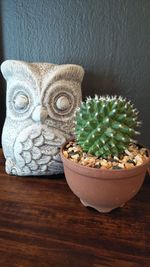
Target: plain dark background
[{"x": 109, "y": 38}]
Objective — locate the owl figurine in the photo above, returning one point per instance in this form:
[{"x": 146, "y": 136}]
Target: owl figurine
[{"x": 40, "y": 105}]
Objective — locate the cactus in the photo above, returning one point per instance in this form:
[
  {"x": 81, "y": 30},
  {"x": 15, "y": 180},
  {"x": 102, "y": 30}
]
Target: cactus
[{"x": 105, "y": 126}]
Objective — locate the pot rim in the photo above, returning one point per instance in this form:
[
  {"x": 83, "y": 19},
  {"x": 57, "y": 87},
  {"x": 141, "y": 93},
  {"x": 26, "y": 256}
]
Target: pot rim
[{"x": 113, "y": 171}]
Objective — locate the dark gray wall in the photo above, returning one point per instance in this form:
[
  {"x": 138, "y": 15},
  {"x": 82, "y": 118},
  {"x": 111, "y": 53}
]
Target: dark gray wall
[{"x": 109, "y": 38}]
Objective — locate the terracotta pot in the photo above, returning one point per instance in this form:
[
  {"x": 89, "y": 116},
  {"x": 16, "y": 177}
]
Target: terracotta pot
[{"x": 103, "y": 190}]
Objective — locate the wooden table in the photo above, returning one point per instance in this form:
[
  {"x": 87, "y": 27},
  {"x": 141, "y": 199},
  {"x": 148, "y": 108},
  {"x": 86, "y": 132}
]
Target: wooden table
[{"x": 42, "y": 223}]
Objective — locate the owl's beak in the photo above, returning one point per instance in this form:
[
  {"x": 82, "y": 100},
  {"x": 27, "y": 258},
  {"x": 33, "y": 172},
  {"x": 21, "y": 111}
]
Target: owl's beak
[{"x": 39, "y": 114}]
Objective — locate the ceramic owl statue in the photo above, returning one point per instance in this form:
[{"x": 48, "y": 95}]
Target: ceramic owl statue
[{"x": 41, "y": 101}]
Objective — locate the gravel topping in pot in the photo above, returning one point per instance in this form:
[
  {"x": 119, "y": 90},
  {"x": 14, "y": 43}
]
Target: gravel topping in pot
[{"x": 135, "y": 155}]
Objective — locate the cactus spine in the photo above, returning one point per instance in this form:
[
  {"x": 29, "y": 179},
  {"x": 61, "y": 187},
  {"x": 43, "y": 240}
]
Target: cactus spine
[{"x": 105, "y": 126}]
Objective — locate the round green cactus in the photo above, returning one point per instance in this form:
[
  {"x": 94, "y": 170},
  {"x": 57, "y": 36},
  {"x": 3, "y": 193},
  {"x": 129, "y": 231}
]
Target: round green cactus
[{"x": 105, "y": 126}]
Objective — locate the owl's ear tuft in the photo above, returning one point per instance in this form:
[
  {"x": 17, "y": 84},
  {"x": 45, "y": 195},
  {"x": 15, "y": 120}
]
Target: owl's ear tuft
[
  {"x": 20, "y": 69},
  {"x": 6, "y": 69},
  {"x": 75, "y": 71},
  {"x": 69, "y": 72}
]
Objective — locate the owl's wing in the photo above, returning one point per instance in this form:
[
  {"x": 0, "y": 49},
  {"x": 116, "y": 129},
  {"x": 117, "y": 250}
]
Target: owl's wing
[{"x": 37, "y": 150}]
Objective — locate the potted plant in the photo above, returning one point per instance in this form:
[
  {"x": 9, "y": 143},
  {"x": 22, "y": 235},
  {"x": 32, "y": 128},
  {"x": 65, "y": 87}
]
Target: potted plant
[{"x": 104, "y": 166}]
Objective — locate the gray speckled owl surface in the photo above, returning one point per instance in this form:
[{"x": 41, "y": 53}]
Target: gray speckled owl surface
[{"x": 41, "y": 102}]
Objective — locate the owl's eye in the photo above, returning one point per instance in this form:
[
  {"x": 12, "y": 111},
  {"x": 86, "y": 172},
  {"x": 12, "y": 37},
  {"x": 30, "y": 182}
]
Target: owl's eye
[
  {"x": 21, "y": 102},
  {"x": 61, "y": 100},
  {"x": 63, "y": 103}
]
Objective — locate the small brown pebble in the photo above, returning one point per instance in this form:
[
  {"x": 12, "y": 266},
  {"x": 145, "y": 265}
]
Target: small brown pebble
[
  {"x": 65, "y": 153},
  {"x": 104, "y": 162},
  {"x": 109, "y": 165},
  {"x": 92, "y": 161},
  {"x": 128, "y": 165}
]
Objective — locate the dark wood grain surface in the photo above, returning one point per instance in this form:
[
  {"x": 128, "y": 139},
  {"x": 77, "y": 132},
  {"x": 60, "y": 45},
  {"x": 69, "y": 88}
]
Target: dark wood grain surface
[{"x": 43, "y": 224}]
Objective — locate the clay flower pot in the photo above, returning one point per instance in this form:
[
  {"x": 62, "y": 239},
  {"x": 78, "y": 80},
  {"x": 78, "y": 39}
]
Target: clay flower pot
[{"x": 104, "y": 190}]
